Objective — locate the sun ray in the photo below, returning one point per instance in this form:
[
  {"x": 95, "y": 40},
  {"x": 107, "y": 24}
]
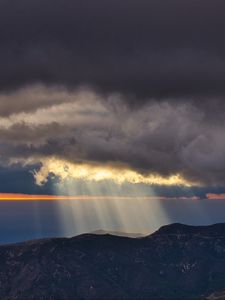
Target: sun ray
[{"x": 106, "y": 208}]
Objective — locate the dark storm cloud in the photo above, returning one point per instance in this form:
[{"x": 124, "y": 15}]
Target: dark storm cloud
[
  {"x": 154, "y": 48},
  {"x": 69, "y": 68}
]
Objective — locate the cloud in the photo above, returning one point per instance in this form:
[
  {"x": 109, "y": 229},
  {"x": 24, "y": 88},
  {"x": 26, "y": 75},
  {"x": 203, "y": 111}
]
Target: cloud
[
  {"x": 132, "y": 85},
  {"x": 163, "y": 139},
  {"x": 89, "y": 172},
  {"x": 32, "y": 98},
  {"x": 157, "y": 49}
]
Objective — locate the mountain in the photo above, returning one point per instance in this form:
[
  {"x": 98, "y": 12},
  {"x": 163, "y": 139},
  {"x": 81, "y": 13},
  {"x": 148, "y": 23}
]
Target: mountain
[
  {"x": 175, "y": 262},
  {"x": 119, "y": 233}
]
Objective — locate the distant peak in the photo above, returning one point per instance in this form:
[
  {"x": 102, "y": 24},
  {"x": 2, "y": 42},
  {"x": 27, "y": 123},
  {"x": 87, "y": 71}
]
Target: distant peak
[{"x": 118, "y": 233}]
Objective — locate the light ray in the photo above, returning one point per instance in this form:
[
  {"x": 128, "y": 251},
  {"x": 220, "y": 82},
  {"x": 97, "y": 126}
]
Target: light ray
[{"x": 113, "y": 212}]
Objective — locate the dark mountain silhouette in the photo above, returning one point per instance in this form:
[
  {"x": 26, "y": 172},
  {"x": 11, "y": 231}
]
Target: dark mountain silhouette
[
  {"x": 175, "y": 262},
  {"x": 119, "y": 233}
]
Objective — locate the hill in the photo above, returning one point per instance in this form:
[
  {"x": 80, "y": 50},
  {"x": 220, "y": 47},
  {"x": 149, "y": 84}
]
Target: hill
[{"x": 175, "y": 262}]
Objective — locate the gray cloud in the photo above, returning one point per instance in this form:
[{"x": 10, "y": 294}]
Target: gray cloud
[
  {"x": 164, "y": 137},
  {"x": 130, "y": 82},
  {"x": 157, "y": 48}
]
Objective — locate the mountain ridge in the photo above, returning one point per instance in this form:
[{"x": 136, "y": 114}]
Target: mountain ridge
[{"x": 176, "y": 262}]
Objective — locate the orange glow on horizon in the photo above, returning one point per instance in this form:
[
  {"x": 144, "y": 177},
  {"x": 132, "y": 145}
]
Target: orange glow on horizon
[
  {"x": 10, "y": 196},
  {"x": 212, "y": 196},
  {"x": 24, "y": 197},
  {"x": 30, "y": 197}
]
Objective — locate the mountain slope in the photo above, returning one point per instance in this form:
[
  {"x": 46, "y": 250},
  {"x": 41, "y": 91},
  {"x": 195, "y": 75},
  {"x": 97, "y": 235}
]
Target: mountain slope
[
  {"x": 176, "y": 262},
  {"x": 118, "y": 233}
]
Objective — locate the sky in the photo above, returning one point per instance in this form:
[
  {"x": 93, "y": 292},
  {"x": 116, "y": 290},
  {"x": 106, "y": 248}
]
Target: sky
[{"x": 121, "y": 101}]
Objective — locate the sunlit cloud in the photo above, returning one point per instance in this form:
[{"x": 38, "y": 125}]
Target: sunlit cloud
[{"x": 95, "y": 172}]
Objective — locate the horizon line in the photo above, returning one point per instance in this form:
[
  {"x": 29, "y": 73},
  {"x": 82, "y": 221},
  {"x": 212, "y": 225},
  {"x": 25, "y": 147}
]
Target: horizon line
[{"x": 46, "y": 197}]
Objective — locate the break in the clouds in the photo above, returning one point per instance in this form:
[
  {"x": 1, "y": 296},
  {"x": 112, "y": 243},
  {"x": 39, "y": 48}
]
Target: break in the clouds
[{"x": 132, "y": 90}]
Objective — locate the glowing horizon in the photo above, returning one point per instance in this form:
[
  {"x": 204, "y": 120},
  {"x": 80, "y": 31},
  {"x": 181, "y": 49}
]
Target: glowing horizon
[
  {"x": 15, "y": 196},
  {"x": 30, "y": 197},
  {"x": 214, "y": 196}
]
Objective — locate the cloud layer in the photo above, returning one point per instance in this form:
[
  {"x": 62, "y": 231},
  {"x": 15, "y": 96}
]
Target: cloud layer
[
  {"x": 135, "y": 85},
  {"x": 151, "y": 48},
  {"x": 158, "y": 138}
]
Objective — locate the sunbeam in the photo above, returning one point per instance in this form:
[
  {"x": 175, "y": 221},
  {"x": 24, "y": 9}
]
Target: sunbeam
[{"x": 107, "y": 209}]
